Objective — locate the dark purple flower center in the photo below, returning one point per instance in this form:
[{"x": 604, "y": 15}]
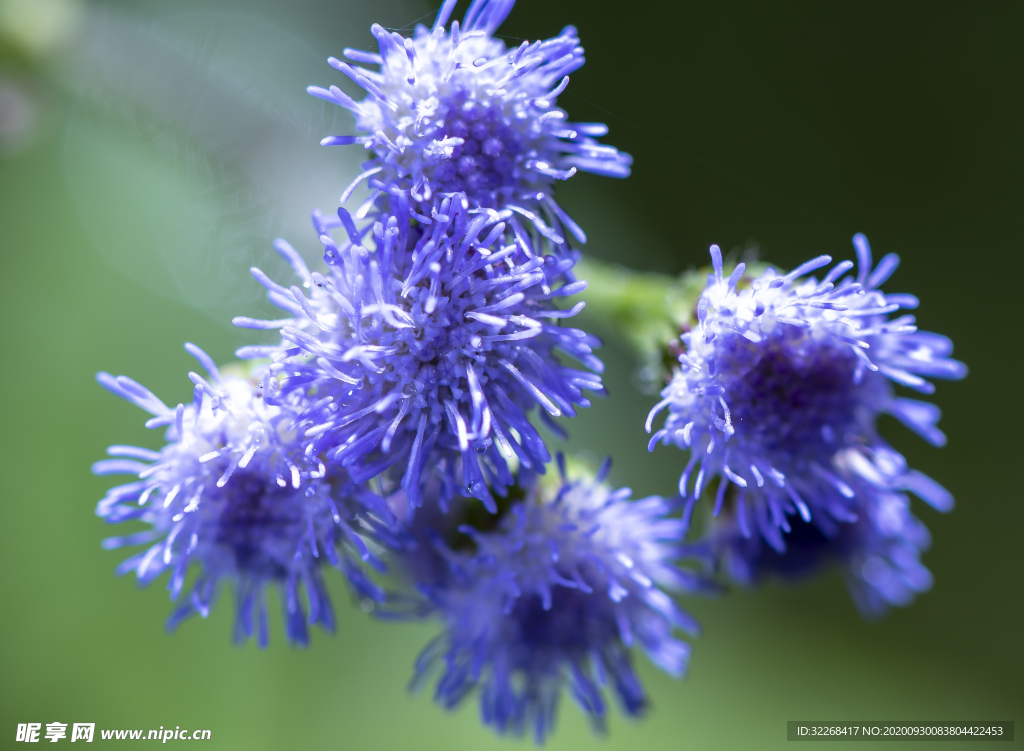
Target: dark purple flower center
[
  {"x": 260, "y": 525},
  {"x": 576, "y": 623},
  {"x": 807, "y": 548},
  {"x": 793, "y": 401},
  {"x": 486, "y": 159}
]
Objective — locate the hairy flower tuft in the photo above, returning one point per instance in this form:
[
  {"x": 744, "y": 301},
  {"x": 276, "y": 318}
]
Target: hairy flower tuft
[
  {"x": 553, "y": 598},
  {"x": 780, "y": 386},
  {"x": 233, "y": 492},
  {"x": 428, "y": 350},
  {"x": 878, "y": 552},
  {"x": 456, "y": 113}
]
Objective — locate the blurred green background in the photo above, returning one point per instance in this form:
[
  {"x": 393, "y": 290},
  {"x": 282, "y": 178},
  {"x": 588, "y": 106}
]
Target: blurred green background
[{"x": 151, "y": 149}]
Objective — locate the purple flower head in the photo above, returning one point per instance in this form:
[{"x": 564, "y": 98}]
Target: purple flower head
[
  {"x": 780, "y": 386},
  {"x": 554, "y": 597},
  {"x": 428, "y": 350},
  {"x": 879, "y": 552},
  {"x": 454, "y": 112},
  {"x": 233, "y": 492}
]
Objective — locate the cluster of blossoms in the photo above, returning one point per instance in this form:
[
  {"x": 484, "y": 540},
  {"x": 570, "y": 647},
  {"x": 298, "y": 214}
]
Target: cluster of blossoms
[
  {"x": 553, "y": 594},
  {"x": 456, "y": 115},
  {"x": 394, "y": 427},
  {"x": 776, "y": 399},
  {"x": 428, "y": 352},
  {"x": 234, "y": 491}
]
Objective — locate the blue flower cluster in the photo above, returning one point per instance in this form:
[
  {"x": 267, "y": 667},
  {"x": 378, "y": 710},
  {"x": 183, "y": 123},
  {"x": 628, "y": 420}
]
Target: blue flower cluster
[
  {"x": 234, "y": 491},
  {"x": 428, "y": 351},
  {"x": 409, "y": 382},
  {"x": 777, "y": 397},
  {"x": 455, "y": 114},
  {"x": 572, "y": 576},
  {"x": 394, "y": 427}
]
